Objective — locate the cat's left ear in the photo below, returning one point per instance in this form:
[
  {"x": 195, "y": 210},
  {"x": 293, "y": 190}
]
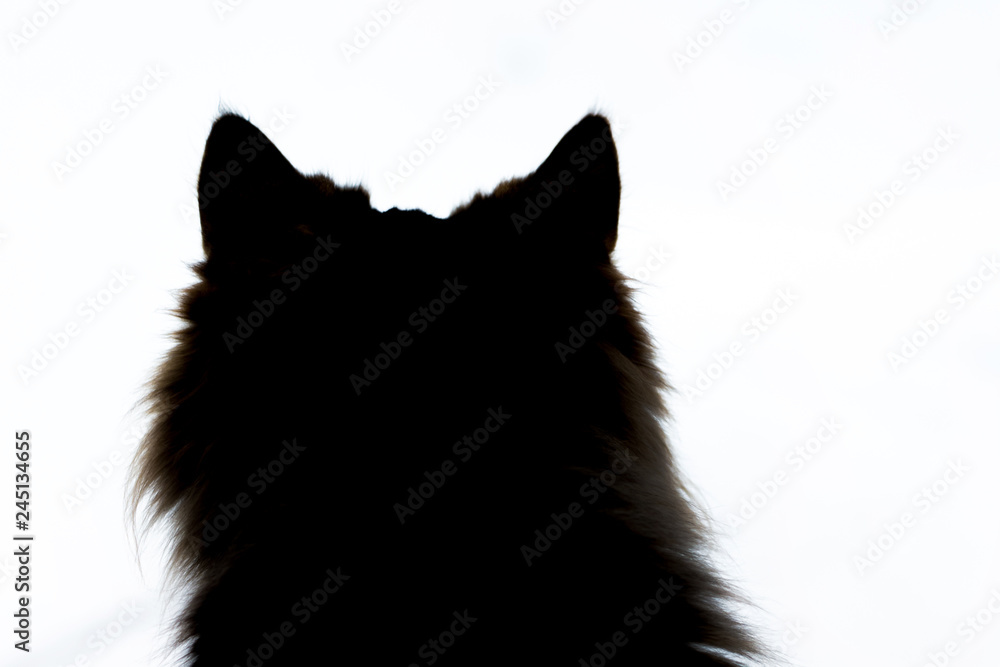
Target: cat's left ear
[
  {"x": 576, "y": 191},
  {"x": 244, "y": 188}
]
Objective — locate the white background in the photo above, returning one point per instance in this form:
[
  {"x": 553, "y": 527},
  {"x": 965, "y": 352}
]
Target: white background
[{"x": 681, "y": 128}]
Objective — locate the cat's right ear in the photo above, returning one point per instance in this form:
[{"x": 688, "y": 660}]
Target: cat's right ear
[
  {"x": 243, "y": 186},
  {"x": 575, "y": 194}
]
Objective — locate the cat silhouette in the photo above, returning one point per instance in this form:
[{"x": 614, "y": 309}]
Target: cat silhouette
[{"x": 386, "y": 438}]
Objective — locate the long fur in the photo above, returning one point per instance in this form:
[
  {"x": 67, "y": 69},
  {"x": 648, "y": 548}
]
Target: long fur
[{"x": 518, "y": 535}]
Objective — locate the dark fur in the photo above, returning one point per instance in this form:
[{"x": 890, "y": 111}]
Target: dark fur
[{"x": 219, "y": 416}]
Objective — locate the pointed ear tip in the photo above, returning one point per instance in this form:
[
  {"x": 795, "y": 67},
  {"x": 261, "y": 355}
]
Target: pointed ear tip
[
  {"x": 232, "y": 137},
  {"x": 595, "y": 123},
  {"x": 592, "y": 128},
  {"x": 229, "y": 118},
  {"x": 596, "y": 116},
  {"x": 230, "y": 126}
]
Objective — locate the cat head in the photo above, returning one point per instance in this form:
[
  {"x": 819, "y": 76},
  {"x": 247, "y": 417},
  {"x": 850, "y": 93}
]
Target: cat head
[{"x": 296, "y": 263}]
